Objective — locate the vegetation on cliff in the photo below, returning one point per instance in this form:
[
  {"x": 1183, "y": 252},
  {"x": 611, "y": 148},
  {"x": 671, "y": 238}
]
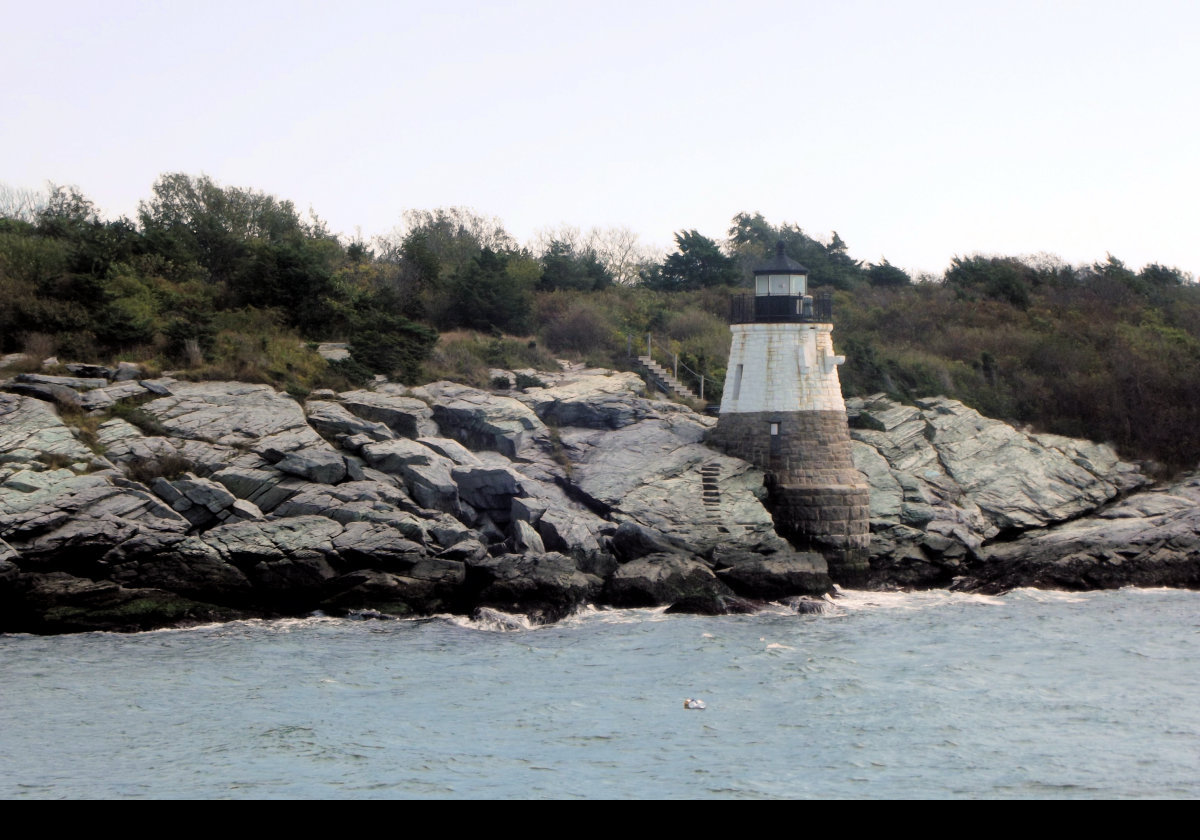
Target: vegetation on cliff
[{"x": 236, "y": 284}]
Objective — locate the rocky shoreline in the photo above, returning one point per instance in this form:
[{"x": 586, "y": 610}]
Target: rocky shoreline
[{"x": 129, "y": 503}]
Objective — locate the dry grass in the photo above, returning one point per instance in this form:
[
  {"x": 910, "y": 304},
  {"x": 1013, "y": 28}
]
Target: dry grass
[{"x": 466, "y": 356}]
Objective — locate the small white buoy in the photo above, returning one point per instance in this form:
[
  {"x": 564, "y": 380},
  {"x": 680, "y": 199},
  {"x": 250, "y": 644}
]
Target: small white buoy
[{"x": 690, "y": 703}]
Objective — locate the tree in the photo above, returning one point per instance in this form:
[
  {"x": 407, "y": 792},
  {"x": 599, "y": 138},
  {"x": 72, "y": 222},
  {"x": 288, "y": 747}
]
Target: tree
[
  {"x": 752, "y": 236},
  {"x": 622, "y": 253},
  {"x": 1164, "y": 276},
  {"x": 999, "y": 278},
  {"x": 886, "y": 274},
  {"x": 254, "y": 245},
  {"x": 618, "y": 249},
  {"x": 197, "y": 219},
  {"x": 448, "y": 237},
  {"x": 752, "y": 239},
  {"x": 698, "y": 263},
  {"x": 23, "y": 205},
  {"x": 565, "y": 267},
  {"x": 384, "y": 341},
  {"x": 492, "y": 292}
]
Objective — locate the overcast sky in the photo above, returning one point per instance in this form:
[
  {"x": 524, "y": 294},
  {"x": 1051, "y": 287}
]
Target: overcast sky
[{"x": 917, "y": 130}]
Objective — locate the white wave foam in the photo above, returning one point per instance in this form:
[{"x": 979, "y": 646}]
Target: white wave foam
[
  {"x": 489, "y": 620},
  {"x": 279, "y": 625},
  {"x": 863, "y": 599},
  {"x": 609, "y": 615},
  {"x": 1051, "y": 596}
]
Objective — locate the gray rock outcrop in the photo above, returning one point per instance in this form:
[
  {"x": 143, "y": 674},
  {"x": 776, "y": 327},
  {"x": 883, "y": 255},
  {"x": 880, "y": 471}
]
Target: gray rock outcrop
[
  {"x": 1149, "y": 539},
  {"x": 230, "y": 500},
  {"x": 945, "y": 481}
]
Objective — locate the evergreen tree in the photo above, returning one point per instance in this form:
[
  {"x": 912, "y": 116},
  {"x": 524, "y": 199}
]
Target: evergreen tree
[{"x": 698, "y": 263}]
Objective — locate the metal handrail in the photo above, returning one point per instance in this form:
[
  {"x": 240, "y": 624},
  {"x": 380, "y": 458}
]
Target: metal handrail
[{"x": 675, "y": 363}]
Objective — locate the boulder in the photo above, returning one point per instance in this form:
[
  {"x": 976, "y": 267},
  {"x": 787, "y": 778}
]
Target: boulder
[
  {"x": 135, "y": 452},
  {"x": 525, "y": 539},
  {"x": 547, "y": 587},
  {"x": 469, "y": 550},
  {"x": 106, "y": 397},
  {"x": 572, "y": 532},
  {"x": 528, "y": 510},
  {"x": 320, "y": 466},
  {"x": 73, "y": 521},
  {"x": 89, "y": 371},
  {"x": 334, "y": 420},
  {"x": 356, "y": 501},
  {"x": 58, "y": 395},
  {"x": 57, "y": 602},
  {"x": 127, "y": 371},
  {"x": 404, "y": 416},
  {"x": 633, "y": 540},
  {"x": 424, "y": 591},
  {"x": 31, "y": 431},
  {"x": 261, "y": 485},
  {"x": 596, "y": 402},
  {"x": 392, "y": 455},
  {"x": 245, "y": 417},
  {"x": 452, "y": 449},
  {"x": 189, "y": 567},
  {"x": 662, "y": 579},
  {"x": 378, "y": 545},
  {"x": 427, "y": 476},
  {"x": 480, "y": 420},
  {"x": 489, "y": 490},
  {"x": 288, "y": 560},
  {"x": 201, "y": 501},
  {"x": 777, "y": 576},
  {"x": 75, "y": 383},
  {"x": 241, "y": 509}
]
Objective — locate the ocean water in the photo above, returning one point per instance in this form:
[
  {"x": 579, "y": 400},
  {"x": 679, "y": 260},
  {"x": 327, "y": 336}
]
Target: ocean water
[{"x": 934, "y": 694}]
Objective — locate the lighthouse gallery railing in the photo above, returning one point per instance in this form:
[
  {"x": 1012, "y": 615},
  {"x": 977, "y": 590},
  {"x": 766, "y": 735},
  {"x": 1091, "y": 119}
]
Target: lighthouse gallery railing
[{"x": 751, "y": 309}]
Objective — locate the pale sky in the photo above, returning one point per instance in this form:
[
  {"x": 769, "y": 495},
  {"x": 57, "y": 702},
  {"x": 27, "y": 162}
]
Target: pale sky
[{"x": 917, "y": 130}]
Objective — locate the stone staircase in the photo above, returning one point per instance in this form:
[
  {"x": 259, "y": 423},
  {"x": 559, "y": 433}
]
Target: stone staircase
[
  {"x": 663, "y": 378},
  {"x": 710, "y": 495},
  {"x": 710, "y": 474}
]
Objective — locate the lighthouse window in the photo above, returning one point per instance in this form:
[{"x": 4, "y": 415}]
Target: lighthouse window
[
  {"x": 737, "y": 382},
  {"x": 774, "y": 429}
]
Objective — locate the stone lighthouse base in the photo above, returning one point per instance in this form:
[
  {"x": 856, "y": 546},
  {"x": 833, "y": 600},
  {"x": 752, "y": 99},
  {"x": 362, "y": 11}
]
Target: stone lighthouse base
[
  {"x": 831, "y": 520},
  {"x": 820, "y": 502}
]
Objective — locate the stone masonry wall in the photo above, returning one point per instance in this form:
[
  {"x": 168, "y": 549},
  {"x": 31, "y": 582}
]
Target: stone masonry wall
[{"x": 818, "y": 498}]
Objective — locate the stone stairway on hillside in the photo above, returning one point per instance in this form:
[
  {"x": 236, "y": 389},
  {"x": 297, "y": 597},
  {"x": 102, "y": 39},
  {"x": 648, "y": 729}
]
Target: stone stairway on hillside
[{"x": 663, "y": 378}]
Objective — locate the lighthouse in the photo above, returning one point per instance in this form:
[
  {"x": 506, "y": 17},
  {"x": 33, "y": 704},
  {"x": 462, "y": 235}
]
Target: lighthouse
[{"x": 782, "y": 410}]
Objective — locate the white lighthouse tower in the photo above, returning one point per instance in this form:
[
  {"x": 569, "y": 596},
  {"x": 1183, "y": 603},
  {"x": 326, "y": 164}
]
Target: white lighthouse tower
[{"x": 782, "y": 410}]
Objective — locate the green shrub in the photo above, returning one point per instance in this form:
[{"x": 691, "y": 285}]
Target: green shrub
[
  {"x": 524, "y": 381},
  {"x": 169, "y": 467}
]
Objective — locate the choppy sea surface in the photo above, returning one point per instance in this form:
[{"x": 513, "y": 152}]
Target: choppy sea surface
[{"x": 934, "y": 694}]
